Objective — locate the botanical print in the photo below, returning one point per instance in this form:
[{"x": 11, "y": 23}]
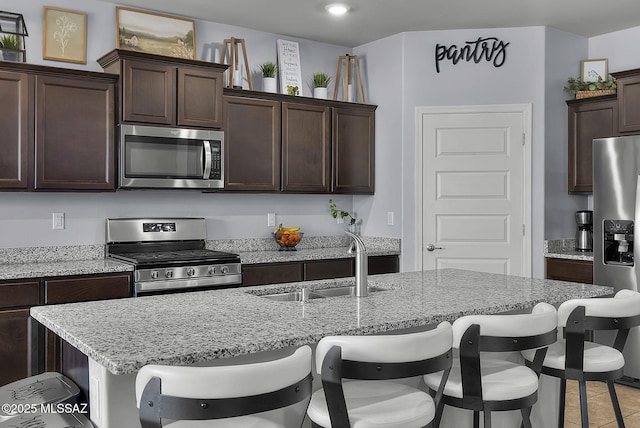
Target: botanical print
[
  {"x": 64, "y": 35},
  {"x": 155, "y": 33}
]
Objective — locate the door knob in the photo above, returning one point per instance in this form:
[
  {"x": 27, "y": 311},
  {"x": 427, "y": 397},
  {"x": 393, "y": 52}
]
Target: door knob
[{"x": 431, "y": 247}]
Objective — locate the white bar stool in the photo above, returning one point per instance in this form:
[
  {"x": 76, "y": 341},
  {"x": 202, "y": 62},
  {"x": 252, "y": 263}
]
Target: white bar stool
[
  {"x": 224, "y": 396},
  {"x": 574, "y": 357},
  {"x": 373, "y": 399},
  {"x": 486, "y": 383}
]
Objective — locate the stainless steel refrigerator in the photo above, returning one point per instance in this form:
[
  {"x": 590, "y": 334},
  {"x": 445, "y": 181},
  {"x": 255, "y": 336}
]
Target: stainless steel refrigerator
[{"x": 616, "y": 212}]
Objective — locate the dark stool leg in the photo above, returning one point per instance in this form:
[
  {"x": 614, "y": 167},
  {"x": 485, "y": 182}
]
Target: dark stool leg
[
  {"x": 616, "y": 404},
  {"x": 526, "y": 417},
  {"x": 487, "y": 419},
  {"x": 584, "y": 410},
  {"x": 563, "y": 395},
  {"x": 476, "y": 419}
]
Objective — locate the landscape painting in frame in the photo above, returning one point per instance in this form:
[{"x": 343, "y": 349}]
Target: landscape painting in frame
[{"x": 155, "y": 33}]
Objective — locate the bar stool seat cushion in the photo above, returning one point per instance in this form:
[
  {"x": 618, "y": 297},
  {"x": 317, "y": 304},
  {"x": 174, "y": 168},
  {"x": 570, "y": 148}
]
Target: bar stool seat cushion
[
  {"x": 501, "y": 380},
  {"x": 379, "y": 404},
  {"x": 597, "y": 358}
]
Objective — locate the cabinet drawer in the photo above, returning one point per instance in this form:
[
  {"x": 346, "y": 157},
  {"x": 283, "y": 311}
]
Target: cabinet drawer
[
  {"x": 86, "y": 288},
  {"x": 271, "y": 273},
  {"x": 17, "y": 294},
  {"x": 325, "y": 269},
  {"x": 569, "y": 270},
  {"x": 383, "y": 264}
]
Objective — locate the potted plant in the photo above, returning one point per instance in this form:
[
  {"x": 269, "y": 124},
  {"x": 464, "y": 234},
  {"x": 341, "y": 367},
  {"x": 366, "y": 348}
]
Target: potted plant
[
  {"x": 10, "y": 47},
  {"x": 269, "y": 82},
  {"x": 320, "y": 82},
  {"x": 292, "y": 90},
  {"x": 352, "y": 222},
  {"x": 580, "y": 89}
]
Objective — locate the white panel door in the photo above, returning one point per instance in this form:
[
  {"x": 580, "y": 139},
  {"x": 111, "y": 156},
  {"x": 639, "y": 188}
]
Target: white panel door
[{"x": 474, "y": 189}]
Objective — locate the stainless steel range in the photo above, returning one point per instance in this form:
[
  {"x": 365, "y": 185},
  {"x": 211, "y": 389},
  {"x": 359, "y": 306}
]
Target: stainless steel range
[{"x": 169, "y": 255}]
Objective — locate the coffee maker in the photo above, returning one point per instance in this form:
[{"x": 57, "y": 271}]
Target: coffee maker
[{"x": 584, "y": 234}]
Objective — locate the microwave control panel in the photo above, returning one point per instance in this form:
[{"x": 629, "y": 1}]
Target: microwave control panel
[{"x": 216, "y": 160}]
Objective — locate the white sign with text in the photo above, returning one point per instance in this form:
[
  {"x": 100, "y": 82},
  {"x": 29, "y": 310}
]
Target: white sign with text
[{"x": 289, "y": 65}]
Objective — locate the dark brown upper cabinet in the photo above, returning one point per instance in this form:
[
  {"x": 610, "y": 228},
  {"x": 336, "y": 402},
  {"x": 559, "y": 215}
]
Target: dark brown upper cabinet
[
  {"x": 58, "y": 129},
  {"x": 277, "y": 142},
  {"x": 628, "y": 101},
  {"x": 306, "y": 148},
  {"x": 252, "y": 144},
  {"x": 353, "y": 150},
  {"x": 168, "y": 91},
  {"x": 589, "y": 118}
]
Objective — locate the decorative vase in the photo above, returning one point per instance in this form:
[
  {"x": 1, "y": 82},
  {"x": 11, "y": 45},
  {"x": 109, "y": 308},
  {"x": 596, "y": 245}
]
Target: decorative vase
[
  {"x": 270, "y": 84},
  {"x": 320, "y": 93}
]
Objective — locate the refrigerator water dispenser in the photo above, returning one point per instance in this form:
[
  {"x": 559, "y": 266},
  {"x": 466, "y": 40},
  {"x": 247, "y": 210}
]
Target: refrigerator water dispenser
[{"x": 618, "y": 242}]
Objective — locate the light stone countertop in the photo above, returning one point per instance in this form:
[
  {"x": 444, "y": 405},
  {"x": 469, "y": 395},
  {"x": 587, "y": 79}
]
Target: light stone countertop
[
  {"x": 565, "y": 249},
  {"x": 125, "y": 334},
  {"x": 10, "y": 271}
]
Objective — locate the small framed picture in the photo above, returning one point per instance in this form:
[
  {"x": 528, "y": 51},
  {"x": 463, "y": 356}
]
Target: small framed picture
[
  {"x": 64, "y": 35},
  {"x": 594, "y": 70},
  {"x": 155, "y": 33}
]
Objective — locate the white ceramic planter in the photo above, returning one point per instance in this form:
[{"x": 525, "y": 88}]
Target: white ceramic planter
[
  {"x": 270, "y": 84},
  {"x": 320, "y": 93}
]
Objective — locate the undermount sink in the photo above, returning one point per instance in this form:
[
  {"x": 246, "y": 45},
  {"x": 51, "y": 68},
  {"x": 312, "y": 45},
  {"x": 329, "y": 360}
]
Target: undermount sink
[{"x": 304, "y": 294}]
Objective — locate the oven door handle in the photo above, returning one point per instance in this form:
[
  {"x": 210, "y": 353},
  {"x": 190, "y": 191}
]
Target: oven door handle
[{"x": 206, "y": 145}]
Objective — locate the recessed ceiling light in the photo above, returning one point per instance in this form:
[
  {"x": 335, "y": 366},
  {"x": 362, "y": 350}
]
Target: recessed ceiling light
[{"x": 337, "y": 9}]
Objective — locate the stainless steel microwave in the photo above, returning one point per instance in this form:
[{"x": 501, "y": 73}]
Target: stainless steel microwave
[{"x": 153, "y": 157}]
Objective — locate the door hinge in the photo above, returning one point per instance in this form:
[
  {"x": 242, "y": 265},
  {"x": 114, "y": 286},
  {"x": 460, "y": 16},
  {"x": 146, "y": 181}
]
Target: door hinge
[
  {"x": 524, "y": 138},
  {"x": 524, "y": 229}
]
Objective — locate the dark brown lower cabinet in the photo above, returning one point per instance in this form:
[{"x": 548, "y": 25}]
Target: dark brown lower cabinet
[
  {"x": 276, "y": 273},
  {"x": 15, "y": 345},
  {"x": 569, "y": 270}
]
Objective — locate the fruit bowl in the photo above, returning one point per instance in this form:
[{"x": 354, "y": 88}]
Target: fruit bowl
[{"x": 287, "y": 239}]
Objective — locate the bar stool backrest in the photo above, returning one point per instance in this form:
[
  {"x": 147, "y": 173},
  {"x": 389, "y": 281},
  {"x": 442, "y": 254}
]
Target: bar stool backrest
[
  {"x": 625, "y": 304},
  {"x": 202, "y": 393}
]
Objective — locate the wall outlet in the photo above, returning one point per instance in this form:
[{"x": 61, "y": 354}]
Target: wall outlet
[
  {"x": 58, "y": 221},
  {"x": 271, "y": 219},
  {"x": 390, "y": 218}
]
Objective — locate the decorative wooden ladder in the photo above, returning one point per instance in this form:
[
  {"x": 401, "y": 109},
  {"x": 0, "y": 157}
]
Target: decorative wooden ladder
[
  {"x": 232, "y": 46},
  {"x": 347, "y": 78}
]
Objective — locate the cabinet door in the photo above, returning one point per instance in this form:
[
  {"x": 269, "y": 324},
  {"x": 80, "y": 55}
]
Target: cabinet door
[
  {"x": 569, "y": 270},
  {"x": 15, "y": 349},
  {"x": 353, "y": 150},
  {"x": 17, "y": 131},
  {"x": 271, "y": 273},
  {"x": 326, "y": 269},
  {"x": 306, "y": 148},
  {"x": 83, "y": 289},
  {"x": 75, "y": 138},
  {"x": 629, "y": 104},
  {"x": 252, "y": 144},
  {"x": 199, "y": 98},
  {"x": 148, "y": 92},
  {"x": 588, "y": 119}
]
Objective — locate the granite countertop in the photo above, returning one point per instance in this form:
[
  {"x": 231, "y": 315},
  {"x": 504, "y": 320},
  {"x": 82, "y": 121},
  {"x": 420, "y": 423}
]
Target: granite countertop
[
  {"x": 565, "y": 249},
  {"x": 125, "y": 334},
  {"x": 39, "y": 262}
]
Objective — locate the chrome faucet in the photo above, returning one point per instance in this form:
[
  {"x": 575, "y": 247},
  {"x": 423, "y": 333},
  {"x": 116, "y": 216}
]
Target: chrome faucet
[{"x": 361, "y": 266}]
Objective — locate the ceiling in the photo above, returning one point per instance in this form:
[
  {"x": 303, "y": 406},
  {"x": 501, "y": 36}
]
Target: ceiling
[{"x": 371, "y": 20}]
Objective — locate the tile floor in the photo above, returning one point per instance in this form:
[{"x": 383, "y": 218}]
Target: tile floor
[{"x": 600, "y": 410}]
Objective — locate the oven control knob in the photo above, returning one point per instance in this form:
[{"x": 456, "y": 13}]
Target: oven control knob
[
  {"x": 154, "y": 274},
  {"x": 224, "y": 269},
  {"x": 191, "y": 271},
  {"x": 168, "y": 274},
  {"x": 212, "y": 270}
]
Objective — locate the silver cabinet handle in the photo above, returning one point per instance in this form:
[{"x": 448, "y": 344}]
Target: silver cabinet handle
[{"x": 431, "y": 247}]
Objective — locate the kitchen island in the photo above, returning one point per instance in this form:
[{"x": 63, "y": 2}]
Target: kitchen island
[{"x": 121, "y": 336}]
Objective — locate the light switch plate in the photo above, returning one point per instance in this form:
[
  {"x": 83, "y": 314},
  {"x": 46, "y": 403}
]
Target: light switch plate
[
  {"x": 271, "y": 219},
  {"x": 390, "y": 218}
]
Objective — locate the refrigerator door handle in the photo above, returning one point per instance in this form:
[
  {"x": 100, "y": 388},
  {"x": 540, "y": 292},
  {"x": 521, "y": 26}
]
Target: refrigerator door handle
[{"x": 636, "y": 243}]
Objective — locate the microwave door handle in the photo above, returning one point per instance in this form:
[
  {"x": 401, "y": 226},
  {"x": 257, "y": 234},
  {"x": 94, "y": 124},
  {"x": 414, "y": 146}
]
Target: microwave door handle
[{"x": 207, "y": 159}]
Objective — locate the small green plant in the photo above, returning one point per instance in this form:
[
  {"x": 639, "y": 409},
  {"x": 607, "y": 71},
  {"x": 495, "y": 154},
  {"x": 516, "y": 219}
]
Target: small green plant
[
  {"x": 320, "y": 80},
  {"x": 9, "y": 41},
  {"x": 336, "y": 213},
  {"x": 292, "y": 90},
  {"x": 268, "y": 69},
  {"x": 575, "y": 85}
]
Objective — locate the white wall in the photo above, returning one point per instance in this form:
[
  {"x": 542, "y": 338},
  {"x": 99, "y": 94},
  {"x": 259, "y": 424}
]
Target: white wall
[
  {"x": 621, "y": 48},
  {"x": 563, "y": 54},
  {"x": 25, "y": 218}
]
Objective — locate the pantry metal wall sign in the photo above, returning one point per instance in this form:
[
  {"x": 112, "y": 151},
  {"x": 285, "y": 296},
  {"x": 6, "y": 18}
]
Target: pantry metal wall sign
[{"x": 489, "y": 49}]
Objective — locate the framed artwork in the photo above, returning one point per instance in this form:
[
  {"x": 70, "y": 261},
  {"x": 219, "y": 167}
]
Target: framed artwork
[
  {"x": 64, "y": 35},
  {"x": 594, "y": 69},
  {"x": 155, "y": 33},
  {"x": 289, "y": 67}
]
